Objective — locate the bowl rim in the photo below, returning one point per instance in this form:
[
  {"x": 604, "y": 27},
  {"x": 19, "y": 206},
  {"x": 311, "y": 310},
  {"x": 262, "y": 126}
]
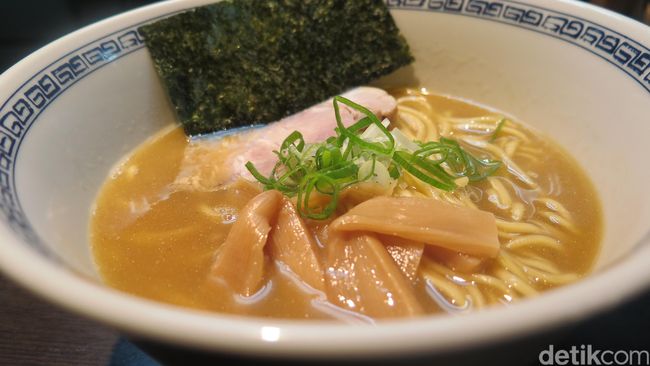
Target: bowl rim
[{"x": 272, "y": 337}]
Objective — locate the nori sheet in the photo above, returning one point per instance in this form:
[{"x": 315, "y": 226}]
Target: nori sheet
[{"x": 243, "y": 62}]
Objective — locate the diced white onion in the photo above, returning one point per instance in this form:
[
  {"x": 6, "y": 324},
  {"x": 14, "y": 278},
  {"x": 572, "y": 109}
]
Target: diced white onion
[{"x": 380, "y": 176}]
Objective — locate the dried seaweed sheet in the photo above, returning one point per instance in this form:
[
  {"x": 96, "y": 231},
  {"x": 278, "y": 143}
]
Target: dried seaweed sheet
[{"x": 243, "y": 62}]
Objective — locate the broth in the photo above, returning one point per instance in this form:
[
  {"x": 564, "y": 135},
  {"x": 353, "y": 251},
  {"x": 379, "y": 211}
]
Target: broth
[{"x": 153, "y": 238}]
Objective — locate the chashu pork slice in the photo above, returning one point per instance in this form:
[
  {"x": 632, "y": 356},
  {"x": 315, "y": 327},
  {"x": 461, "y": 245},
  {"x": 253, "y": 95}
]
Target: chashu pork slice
[{"x": 212, "y": 162}]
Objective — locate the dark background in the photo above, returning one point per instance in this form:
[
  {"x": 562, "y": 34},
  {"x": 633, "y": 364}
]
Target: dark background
[
  {"x": 33, "y": 332},
  {"x": 26, "y": 25}
]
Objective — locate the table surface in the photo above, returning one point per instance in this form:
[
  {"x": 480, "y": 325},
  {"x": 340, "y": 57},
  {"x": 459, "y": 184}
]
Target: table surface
[{"x": 37, "y": 333}]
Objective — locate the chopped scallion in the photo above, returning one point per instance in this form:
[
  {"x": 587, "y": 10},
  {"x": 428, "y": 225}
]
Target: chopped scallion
[{"x": 304, "y": 170}]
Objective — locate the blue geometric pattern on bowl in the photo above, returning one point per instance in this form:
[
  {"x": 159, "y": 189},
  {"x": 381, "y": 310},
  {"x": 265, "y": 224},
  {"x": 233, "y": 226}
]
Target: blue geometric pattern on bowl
[
  {"x": 621, "y": 51},
  {"x": 20, "y": 112}
]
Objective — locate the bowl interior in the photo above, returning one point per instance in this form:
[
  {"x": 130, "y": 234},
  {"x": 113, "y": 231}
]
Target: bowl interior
[
  {"x": 588, "y": 104},
  {"x": 578, "y": 81}
]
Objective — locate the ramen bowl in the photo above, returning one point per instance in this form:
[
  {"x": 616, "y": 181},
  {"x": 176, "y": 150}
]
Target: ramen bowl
[{"x": 579, "y": 74}]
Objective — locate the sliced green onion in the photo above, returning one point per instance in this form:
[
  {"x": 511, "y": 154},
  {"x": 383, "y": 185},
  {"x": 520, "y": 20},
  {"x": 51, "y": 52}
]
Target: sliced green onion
[
  {"x": 330, "y": 166},
  {"x": 291, "y": 139},
  {"x": 404, "y": 160},
  {"x": 377, "y": 147},
  {"x": 304, "y": 196},
  {"x": 500, "y": 124}
]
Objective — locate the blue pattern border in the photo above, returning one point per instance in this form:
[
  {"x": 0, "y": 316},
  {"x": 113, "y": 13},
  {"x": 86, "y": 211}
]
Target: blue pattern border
[
  {"x": 630, "y": 56},
  {"x": 21, "y": 110}
]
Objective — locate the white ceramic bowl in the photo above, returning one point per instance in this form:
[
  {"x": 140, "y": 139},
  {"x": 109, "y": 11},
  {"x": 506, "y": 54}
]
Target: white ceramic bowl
[{"x": 72, "y": 109}]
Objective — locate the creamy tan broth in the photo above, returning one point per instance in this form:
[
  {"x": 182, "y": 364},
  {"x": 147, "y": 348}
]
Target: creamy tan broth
[{"x": 156, "y": 239}]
